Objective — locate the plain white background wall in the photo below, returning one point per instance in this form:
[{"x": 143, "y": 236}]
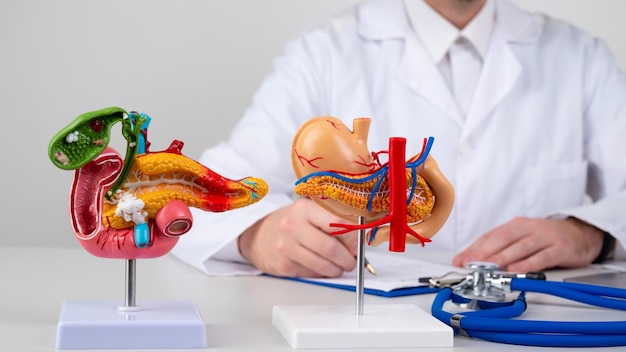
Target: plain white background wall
[{"x": 193, "y": 65}]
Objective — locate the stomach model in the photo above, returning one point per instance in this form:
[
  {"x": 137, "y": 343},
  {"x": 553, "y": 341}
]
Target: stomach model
[
  {"x": 337, "y": 171},
  {"x": 137, "y": 207}
]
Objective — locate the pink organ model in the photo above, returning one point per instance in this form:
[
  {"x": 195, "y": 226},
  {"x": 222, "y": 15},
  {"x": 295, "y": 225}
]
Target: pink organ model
[
  {"x": 137, "y": 207},
  {"x": 337, "y": 171}
]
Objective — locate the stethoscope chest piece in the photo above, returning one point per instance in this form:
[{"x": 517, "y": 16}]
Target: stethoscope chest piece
[{"x": 479, "y": 285}]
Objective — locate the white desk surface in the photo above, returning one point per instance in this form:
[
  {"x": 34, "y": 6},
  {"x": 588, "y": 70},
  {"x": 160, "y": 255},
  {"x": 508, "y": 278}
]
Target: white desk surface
[{"x": 237, "y": 310}]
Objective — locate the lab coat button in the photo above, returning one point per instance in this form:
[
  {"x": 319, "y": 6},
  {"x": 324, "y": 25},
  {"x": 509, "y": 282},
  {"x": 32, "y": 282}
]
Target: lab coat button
[{"x": 465, "y": 148}]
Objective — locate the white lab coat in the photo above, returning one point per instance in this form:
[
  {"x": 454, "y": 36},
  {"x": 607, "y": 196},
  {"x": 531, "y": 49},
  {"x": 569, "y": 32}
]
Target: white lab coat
[{"x": 546, "y": 127}]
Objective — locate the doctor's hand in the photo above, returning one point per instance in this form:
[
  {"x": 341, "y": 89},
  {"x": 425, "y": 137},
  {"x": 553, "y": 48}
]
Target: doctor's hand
[
  {"x": 526, "y": 244},
  {"x": 294, "y": 241}
]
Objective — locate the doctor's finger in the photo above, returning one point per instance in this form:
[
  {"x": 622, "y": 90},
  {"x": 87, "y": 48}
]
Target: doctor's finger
[
  {"x": 349, "y": 240},
  {"x": 495, "y": 241},
  {"x": 322, "y": 265},
  {"x": 323, "y": 220},
  {"x": 520, "y": 254},
  {"x": 292, "y": 268},
  {"x": 484, "y": 247},
  {"x": 330, "y": 248},
  {"x": 542, "y": 259}
]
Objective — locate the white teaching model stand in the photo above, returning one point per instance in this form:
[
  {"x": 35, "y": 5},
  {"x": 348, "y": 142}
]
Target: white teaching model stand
[
  {"x": 126, "y": 325},
  {"x": 382, "y": 326}
]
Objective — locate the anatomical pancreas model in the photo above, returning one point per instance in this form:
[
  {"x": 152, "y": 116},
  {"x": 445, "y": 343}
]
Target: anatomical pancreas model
[{"x": 138, "y": 206}]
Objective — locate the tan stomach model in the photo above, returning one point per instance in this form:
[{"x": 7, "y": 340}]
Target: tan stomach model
[{"x": 337, "y": 171}]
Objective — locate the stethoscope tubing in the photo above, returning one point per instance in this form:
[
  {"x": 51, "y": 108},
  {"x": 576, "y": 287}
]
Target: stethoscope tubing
[
  {"x": 493, "y": 324},
  {"x": 487, "y": 309},
  {"x": 600, "y": 296}
]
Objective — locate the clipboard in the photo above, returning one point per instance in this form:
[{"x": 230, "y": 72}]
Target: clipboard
[
  {"x": 397, "y": 275},
  {"x": 398, "y": 292}
]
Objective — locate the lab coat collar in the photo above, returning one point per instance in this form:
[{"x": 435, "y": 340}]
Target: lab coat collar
[
  {"x": 388, "y": 19},
  {"x": 437, "y": 34},
  {"x": 434, "y": 32}
]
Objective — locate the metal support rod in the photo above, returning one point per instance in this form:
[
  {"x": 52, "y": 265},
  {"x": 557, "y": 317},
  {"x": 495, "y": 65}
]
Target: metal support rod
[
  {"x": 360, "y": 268},
  {"x": 130, "y": 282}
]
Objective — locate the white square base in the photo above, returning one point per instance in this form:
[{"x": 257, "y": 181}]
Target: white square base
[
  {"x": 152, "y": 324},
  {"x": 380, "y": 326}
]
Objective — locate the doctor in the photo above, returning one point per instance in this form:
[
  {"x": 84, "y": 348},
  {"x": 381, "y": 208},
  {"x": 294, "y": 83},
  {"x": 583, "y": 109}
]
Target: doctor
[{"x": 528, "y": 115}]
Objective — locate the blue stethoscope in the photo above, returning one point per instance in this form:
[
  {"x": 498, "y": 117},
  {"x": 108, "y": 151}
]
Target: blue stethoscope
[{"x": 484, "y": 289}]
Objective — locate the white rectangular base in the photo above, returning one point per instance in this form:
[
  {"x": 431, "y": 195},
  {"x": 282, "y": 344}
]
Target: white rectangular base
[
  {"x": 154, "y": 324},
  {"x": 380, "y": 326}
]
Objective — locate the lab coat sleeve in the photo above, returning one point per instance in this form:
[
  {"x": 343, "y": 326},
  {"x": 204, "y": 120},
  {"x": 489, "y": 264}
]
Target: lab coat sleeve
[
  {"x": 605, "y": 91},
  {"x": 260, "y": 146}
]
